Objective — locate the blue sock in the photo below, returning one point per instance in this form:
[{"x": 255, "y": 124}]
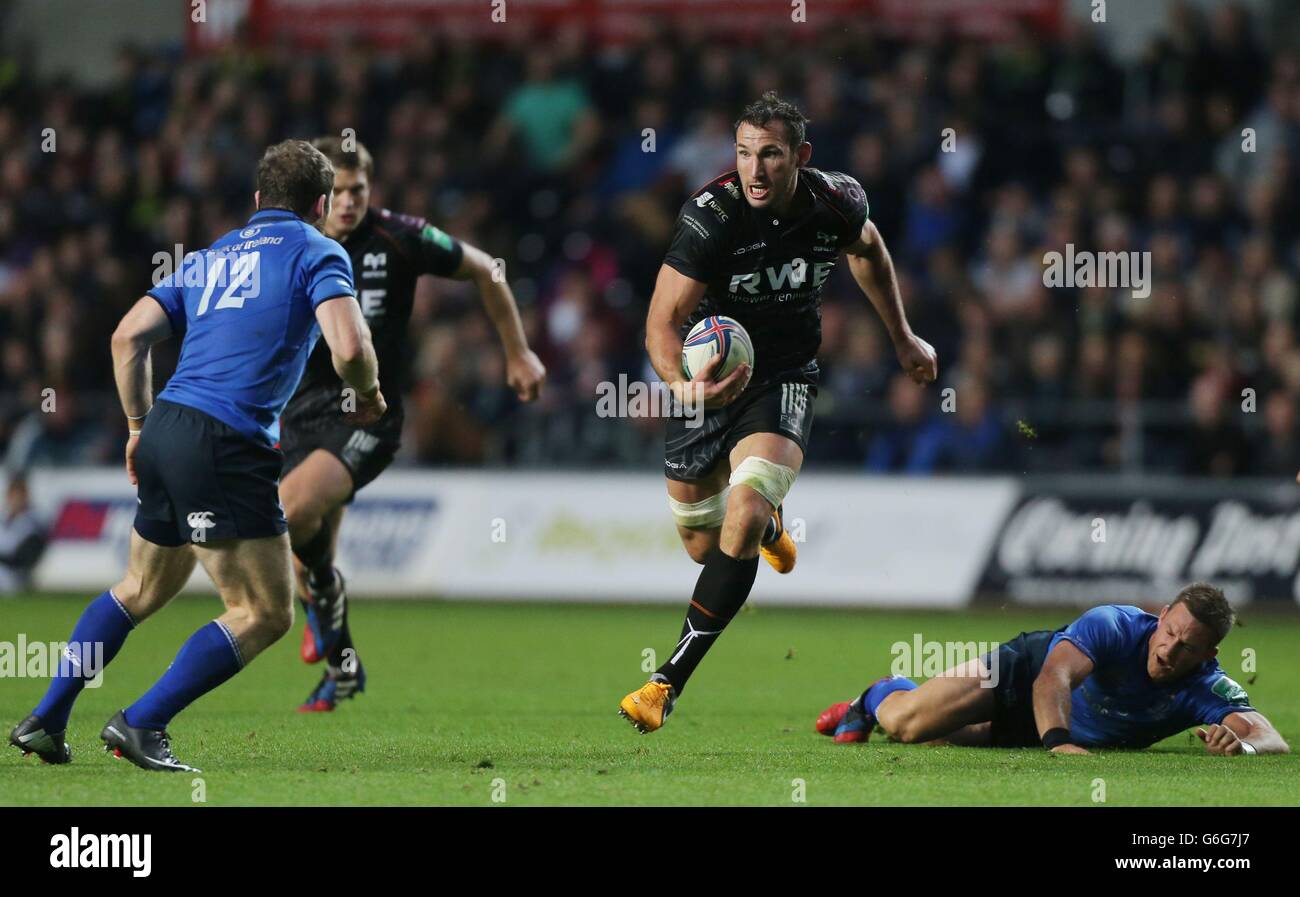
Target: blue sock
[
  {"x": 104, "y": 622},
  {"x": 209, "y": 658},
  {"x": 872, "y": 697}
]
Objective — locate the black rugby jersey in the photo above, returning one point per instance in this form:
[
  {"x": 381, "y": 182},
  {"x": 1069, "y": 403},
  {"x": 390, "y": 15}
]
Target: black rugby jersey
[
  {"x": 389, "y": 252},
  {"x": 765, "y": 270}
]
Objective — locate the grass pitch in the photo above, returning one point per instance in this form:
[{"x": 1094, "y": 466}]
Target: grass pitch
[{"x": 486, "y": 704}]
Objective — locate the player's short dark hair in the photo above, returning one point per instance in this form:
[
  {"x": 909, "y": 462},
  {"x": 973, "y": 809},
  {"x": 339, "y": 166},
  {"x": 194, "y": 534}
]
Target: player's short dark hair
[
  {"x": 357, "y": 159},
  {"x": 771, "y": 107},
  {"x": 1209, "y": 606},
  {"x": 291, "y": 175}
]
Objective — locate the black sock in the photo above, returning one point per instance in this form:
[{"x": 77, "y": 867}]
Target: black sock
[
  {"x": 336, "y": 657},
  {"x": 318, "y": 557},
  {"x": 720, "y": 592}
]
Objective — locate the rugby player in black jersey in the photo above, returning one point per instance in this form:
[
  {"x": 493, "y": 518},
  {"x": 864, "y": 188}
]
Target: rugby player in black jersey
[
  {"x": 756, "y": 244},
  {"x": 326, "y": 458}
]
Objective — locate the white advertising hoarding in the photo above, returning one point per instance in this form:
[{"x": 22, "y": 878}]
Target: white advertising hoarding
[{"x": 586, "y": 537}]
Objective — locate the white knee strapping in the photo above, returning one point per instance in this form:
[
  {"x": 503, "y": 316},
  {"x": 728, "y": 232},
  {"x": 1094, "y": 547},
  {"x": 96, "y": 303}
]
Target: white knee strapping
[
  {"x": 700, "y": 514},
  {"x": 767, "y": 478}
]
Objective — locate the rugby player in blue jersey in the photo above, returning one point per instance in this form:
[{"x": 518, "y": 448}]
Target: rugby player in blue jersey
[
  {"x": 202, "y": 455},
  {"x": 1117, "y": 677}
]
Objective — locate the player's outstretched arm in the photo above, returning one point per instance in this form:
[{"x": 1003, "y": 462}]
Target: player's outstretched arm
[
  {"x": 353, "y": 353},
  {"x": 675, "y": 297},
  {"x": 524, "y": 370},
  {"x": 873, "y": 269},
  {"x": 1063, "y": 671},
  {"x": 1243, "y": 733}
]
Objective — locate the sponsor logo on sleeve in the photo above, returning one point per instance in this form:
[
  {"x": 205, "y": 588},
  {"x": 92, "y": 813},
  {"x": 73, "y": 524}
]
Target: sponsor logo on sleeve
[
  {"x": 431, "y": 234},
  {"x": 1230, "y": 691}
]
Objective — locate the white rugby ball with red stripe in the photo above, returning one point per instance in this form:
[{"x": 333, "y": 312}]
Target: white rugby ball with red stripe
[{"x": 714, "y": 335}]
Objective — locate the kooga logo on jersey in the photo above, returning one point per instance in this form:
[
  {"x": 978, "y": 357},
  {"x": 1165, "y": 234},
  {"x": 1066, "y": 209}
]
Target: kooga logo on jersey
[
  {"x": 791, "y": 275},
  {"x": 89, "y": 851}
]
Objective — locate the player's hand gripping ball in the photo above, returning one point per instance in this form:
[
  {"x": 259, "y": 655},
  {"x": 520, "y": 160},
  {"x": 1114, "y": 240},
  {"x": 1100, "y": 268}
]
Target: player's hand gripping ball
[{"x": 716, "y": 335}]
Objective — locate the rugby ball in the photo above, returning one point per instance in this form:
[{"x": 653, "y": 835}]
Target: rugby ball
[{"x": 716, "y": 334}]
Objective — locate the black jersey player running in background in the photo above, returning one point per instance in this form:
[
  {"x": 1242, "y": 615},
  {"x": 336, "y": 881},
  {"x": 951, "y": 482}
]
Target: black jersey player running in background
[
  {"x": 756, "y": 244},
  {"x": 327, "y": 459}
]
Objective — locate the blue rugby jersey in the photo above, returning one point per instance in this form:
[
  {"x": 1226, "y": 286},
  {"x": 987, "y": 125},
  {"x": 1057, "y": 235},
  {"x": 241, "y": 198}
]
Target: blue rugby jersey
[
  {"x": 1118, "y": 705},
  {"x": 245, "y": 309}
]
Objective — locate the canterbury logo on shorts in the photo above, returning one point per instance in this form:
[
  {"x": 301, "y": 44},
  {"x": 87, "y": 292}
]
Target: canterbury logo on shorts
[{"x": 794, "y": 406}]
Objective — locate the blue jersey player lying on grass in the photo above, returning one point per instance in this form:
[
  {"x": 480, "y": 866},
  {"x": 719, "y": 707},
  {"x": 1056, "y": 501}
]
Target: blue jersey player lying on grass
[{"x": 1117, "y": 677}]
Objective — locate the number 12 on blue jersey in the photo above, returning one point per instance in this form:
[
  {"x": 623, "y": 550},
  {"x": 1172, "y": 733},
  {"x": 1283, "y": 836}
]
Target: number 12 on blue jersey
[{"x": 240, "y": 272}]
